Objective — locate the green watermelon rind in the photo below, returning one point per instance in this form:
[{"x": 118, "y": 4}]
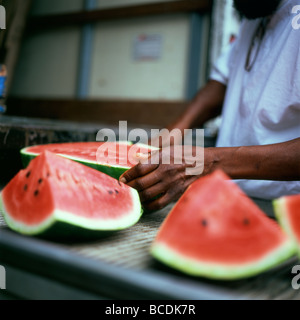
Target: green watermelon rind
[
  {"x": 113, "y": 171},
  {"x": 219, "y": 271},
  {"x": 64, "y": 220},
  {"x": 281, "y": 213}
]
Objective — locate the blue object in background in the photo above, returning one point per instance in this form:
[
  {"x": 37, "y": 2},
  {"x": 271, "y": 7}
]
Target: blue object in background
[
  {"x": 2, "y": 93},
  {"x": 2, "y": 86}
]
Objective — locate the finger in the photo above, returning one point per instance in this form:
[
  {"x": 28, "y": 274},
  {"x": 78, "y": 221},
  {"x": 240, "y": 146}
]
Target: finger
[
  {"x": 159, "y": 203},
  {"x": 138, "y": 153},
  {"x": 146, "y": 181},
  {"x": 148, "y": 194},
  {"x": 137, "y": 171},
  {"x": 151, "y": 157},
  {"x": 135, "y": 153},
  {"x": 163, "y": 199},
  {"x": 142, "y": 157}
]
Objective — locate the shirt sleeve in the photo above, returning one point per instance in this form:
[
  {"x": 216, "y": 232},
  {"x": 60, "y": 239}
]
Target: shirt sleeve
[{"x": 221, "y": 68}]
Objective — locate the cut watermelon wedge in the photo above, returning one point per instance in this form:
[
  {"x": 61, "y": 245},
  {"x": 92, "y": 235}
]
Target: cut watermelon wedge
[
  {"x": 116, "y": 158},
  {"x": 216, "y": 231},
  {"x": 54, "y": 190},
  {"x": 287, "y": 212}
]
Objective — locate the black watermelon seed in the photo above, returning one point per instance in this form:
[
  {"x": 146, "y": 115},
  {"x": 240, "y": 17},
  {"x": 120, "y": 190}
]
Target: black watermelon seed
[
  {"x": 246, "y": 222},
  {"x": 117, "y": 192},
  {"x": 28, "y": 174},
  {"x": 48, "y": 174},
  {"x": 40, "y": 181},
  {"x": 36, "y": 193},
  {"x": 25, "y": 187},
  {"x": 119, "y": 183},
  {"x": 110, "y": 192},
  {"x": 204, "y": 223}
]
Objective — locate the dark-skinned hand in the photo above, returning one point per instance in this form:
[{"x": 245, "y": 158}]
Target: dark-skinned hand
[{"x": 164, "y": 175}]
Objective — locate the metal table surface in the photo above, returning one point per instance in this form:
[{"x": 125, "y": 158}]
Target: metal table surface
[{"x": 119, "y": 266}]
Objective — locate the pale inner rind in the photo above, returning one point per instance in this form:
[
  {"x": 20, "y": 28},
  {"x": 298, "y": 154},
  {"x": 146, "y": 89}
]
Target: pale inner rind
[
  {"x": 57, "y": 215},
  {"x": 220, "y": 270}
]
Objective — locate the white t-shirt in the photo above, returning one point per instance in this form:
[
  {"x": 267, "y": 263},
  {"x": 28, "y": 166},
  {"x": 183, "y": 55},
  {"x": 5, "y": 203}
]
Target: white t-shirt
[{"x": 262, "y": 106}]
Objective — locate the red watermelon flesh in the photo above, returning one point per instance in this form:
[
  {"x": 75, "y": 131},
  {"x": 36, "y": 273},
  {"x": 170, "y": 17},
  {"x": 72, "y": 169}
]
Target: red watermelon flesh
[
  {"x": 216, "y": 231},
  {"x": 287, "y": 211},
  {"x": 53, "y": 188},
  {"x": 114, "y": 159},
  {"x": 87, "y": 151}
]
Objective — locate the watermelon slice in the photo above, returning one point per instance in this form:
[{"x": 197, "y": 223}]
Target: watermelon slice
[
  {"x": 114, "y": 160},
  {"x": 54, "y": 190},
  {"x": 216, "y": 231},
  {"x": 287, "y": 211}
]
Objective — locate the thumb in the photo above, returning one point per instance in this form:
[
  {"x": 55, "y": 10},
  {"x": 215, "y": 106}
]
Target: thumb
[
  {"x": 146, "y": 157},
  {"x": 142, "y": 157}
]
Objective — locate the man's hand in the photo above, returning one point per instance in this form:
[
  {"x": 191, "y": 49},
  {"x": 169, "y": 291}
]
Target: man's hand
[
  {"x": 163, "y": 177},
  {"x": 159, "y": 183}
]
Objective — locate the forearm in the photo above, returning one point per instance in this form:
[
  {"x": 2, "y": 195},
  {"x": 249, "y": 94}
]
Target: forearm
[
  {"x": 267, "y": 162},
  {"x": 206, "y": 105}
]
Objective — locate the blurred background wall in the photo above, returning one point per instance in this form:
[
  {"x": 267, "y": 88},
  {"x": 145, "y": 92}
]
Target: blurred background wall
[
  {"x": 48, "y": 65},
  {"x": 98, "y": 61}
]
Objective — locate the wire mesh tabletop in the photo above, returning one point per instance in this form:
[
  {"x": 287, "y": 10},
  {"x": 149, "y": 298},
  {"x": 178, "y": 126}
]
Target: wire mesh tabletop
[{"x": 130, "y": 249}]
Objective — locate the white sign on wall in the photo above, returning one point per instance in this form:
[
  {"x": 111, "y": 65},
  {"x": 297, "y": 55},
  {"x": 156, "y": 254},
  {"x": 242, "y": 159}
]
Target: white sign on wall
[{"x": 147, "y": 47}]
